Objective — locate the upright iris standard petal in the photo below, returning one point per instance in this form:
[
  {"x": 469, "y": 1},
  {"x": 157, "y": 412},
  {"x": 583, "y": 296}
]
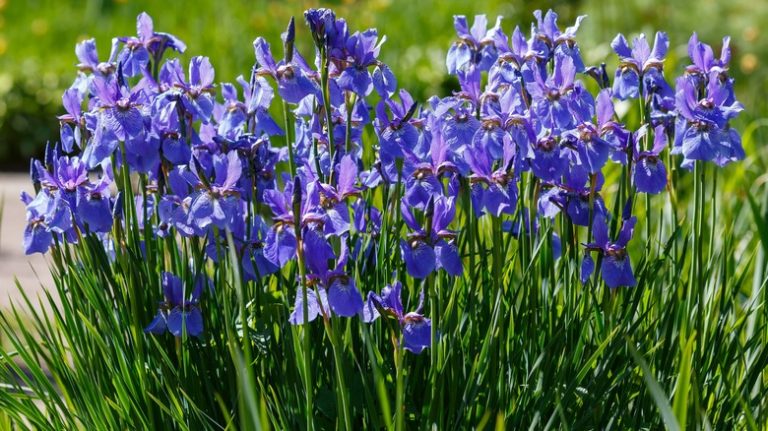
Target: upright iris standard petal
[{"x": 600, "y": 231}]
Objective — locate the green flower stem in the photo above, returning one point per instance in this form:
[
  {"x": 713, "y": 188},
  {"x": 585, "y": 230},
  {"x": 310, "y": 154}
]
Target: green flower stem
[
  {"x": 400, "y": 386},
  {"x": 341, "y": 386},
  {"x": 349, "y": 99},
  {"x": 469, "y": 219},
  {"x": 289, "y": 138},
  {"x": 324, "y": 80},
  {"x": 307, "y": 356},
  {"x": 378, "y": 379}
]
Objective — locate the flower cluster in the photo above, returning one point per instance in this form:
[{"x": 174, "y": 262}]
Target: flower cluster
[{"x": 207, "y": 159}]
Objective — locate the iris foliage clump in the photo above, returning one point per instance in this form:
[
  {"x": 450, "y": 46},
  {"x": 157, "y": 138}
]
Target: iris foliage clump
[{"x": 310, "y": 247}]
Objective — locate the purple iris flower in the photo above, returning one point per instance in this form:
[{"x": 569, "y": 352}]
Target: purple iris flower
[
  {"x": 514, "y": 50},
  {"x": 73, "y": 122},
  {"x": 609, "y": 129},
  {"x": 358, "y": 119},
  {"x": 493, "y": 192},
  {"x": 550, "y": 159},
  {"x": 416, "y": 329},
  {"x": 340, "y": 295},
  {"x": 587, "y": 138},
  {"x": 293, "y": 78},
  {"x": 254, "y": 111},
  {"x": 396, "y": 134},
  {"x": 573, "y": 196},
  {"x": 194, "y": 95},
  {"x": 322, "y": 25},
  {"x": 215, "y": 201},
  {"x": 143, "y": 154},
  {"x": 459, "y": 124},
  {"x": 501, "y": 116},
  {"x": 90, "y": 202},
  {"x": 579, "y": 191},
  {"x": 516, "y": 59},
  {"x": 640, "y": 63},
  {"x": 333, "y": 199},
  {"x": 281, "y": 244},
  {"x": 67, "y": 175},
  {"x": 425, "y": 251},
  {"x": 702, "y": 130},
  {"x": 249, "y": 245},
  {"x": 523, "y": 135},
  {"x": 89, "y": 58},
  {"x": 117, "y": 117},
  {"x": 173, "y": 208},
  {"x": 550, "y": 42},
  {"x": 649, "y": 173},
  {"x": 317, "y": 304},
  {"x": 179, "y": 314},
  {"x": 384, "y": 81},
  {"x": 424, "y": 179},
  {"x": 145, "y": 46},
  {"x": 616, "y": 267},
  {"x": 255, "y": 265},
  {"x": 232, "y": 116},
  {"x": 261, "y": 164},
  {"x": 364, "y": 49},
  {"x": 475, "y": 48},
  {"x": 503, "y": 97},
  {"x": 704, "y": 62},
  {"x": 577, "y": 198},
  {"x": 93, "y": 205},
  {"x": 559, "y": 98},
  {"x": 47, "y": 215},
  {"x": 168, "y": 133}
]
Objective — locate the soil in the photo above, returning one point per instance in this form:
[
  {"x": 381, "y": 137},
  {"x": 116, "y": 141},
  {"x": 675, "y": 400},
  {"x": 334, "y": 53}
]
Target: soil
[{"x": 30, "y": 271}]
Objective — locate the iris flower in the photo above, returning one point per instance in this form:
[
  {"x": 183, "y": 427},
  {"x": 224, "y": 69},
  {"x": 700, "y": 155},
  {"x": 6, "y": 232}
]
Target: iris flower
[{"x": 416, "y": 329}]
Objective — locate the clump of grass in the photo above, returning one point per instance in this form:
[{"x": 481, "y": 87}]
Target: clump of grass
[{"x": 518, "y": 337}]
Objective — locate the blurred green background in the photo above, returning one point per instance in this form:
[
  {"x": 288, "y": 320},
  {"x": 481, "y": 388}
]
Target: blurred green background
[{"x": 37, "y": 39}]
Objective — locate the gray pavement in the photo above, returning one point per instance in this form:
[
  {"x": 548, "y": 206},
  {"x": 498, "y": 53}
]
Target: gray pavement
[{"x": 31, "y": 271}]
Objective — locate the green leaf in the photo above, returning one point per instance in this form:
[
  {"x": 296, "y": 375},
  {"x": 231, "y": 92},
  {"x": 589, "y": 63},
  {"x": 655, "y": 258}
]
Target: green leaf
[
  {"x": 683, "y": 385},
  {"x": 659, "y": 397}
]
